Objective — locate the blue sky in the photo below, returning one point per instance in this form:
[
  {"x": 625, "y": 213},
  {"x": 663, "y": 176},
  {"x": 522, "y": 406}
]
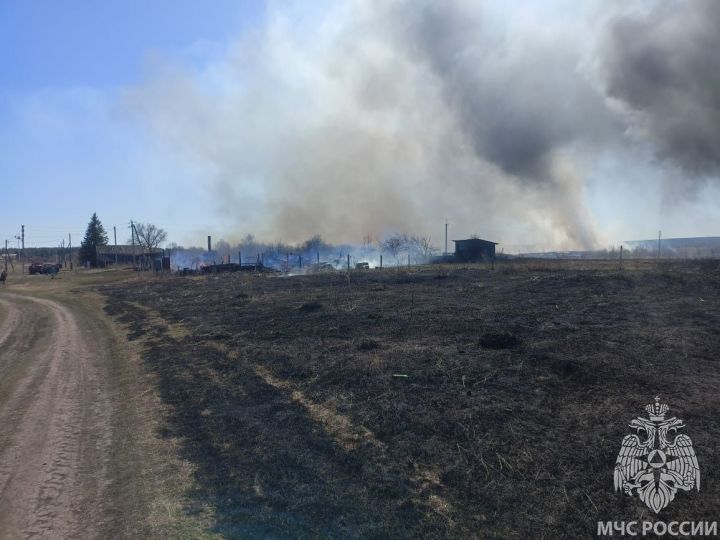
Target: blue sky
[
  {"x": 104, "y": 44},
  {"x": 67, "y": 149}
]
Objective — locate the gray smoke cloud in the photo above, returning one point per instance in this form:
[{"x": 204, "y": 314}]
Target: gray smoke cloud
[
  {"x": 664, "y": 65},
  {"x": 392, "y": 116},
  {"x": 517, "y": 99}
]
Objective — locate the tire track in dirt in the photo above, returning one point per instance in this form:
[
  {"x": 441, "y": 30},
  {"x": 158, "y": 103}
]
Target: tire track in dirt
[
  {"x": 11, "y": 322},
  {"x": 24, "y": 337},
  {"x": 54, "y": 430}
]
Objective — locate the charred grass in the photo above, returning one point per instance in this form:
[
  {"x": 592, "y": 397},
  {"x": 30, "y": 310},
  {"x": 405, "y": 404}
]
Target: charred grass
[{"x": 451, "y": 402}]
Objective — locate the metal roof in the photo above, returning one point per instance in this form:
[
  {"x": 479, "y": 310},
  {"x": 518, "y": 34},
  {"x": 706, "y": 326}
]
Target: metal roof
[{"x": 476, "y": 240}]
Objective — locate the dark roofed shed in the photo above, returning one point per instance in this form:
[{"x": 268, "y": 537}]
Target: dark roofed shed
[{"x": 474, "y": 250}]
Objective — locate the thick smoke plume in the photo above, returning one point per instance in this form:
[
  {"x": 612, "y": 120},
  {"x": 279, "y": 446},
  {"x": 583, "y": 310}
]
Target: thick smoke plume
[
  {"x": 665, "y": 66},
  {"x": 392, "y": 116}
]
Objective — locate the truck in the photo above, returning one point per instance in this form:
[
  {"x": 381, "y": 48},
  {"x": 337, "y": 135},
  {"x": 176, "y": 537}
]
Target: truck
[{"x": 44, "y": 268}]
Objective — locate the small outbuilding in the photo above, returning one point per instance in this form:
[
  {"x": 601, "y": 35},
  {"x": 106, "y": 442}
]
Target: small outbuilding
[
  {"x": 474, "y": 250},
  {"x": 124, "y": 254}
]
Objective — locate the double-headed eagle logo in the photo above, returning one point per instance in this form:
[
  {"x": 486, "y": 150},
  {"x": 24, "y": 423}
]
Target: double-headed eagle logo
[{"x": 652, "y": 465}]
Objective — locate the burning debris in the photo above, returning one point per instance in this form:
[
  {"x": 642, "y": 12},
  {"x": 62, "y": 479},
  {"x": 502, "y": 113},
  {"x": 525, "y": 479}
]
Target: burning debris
[
  {"x": 316, "y": 256},
  {"x": 311, "y": 257}
]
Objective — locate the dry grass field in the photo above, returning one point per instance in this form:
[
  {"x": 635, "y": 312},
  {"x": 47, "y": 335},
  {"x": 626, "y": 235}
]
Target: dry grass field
[{"x": 437, "y": 401}]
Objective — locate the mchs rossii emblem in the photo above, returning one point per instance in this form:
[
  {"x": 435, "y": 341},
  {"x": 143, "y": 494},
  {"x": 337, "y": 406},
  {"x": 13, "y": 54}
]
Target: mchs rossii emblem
[{"x": 656, "y": 461}]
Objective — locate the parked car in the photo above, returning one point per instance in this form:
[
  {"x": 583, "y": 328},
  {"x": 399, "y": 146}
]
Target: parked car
[{"x": 44, "y": 268}]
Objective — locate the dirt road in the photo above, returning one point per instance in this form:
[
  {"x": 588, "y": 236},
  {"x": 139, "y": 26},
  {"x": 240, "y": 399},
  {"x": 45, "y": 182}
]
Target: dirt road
[{"x": 55, "y": 406}]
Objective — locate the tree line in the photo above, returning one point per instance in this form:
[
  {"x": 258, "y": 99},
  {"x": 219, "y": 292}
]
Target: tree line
[{"x": 146, "y": 236}]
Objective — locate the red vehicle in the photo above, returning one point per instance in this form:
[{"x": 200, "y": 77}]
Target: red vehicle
[{"x": 44, "y": 268}]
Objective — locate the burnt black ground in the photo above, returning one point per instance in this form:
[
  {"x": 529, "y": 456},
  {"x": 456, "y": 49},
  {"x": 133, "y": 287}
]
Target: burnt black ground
[{"x": 481, "y": 403}]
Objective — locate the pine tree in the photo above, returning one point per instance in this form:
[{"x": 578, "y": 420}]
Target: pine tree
[{"x": 94, "y": 236}]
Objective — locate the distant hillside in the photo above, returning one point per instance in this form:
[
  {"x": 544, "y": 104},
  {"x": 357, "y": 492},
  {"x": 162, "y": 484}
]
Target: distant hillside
[
  {"x": 700, "y": 246},
  {"x": 686, "y": 248}
]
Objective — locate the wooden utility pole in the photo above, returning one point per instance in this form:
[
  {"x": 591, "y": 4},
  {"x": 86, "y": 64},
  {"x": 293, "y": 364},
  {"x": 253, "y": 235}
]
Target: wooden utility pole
[
  {"x": 446, "y": 225},
  {"x": 115, "y": 239},
  {"x": 22, "y": 239},
  {"x": 132, "y": 236},
  {"x": 659, "y": 240},
  {"x": 70, "y": 248},
  {"x": 6, "y": 256},
  {"x": 621, "y": 253}
]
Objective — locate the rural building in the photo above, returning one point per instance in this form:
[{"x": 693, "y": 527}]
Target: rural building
[
  {"x": 126, "y": 254},
  {"x": 474, "y": 250}
]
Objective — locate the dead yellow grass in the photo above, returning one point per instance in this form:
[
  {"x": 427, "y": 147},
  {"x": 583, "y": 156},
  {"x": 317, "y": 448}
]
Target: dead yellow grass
[{"x": 338, "y": 427}]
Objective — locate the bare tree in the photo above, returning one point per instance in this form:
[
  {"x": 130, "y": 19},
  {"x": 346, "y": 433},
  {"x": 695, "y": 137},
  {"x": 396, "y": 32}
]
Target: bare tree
[
  {"x": 394, "y": 244},
  {"x": 422, "y": 247},
  {"x": 367, "y": 247},
  {"x": 149, "y": 236},
  {"x": 248, "y": 241},
  {"x": 314, "y": 245}
]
